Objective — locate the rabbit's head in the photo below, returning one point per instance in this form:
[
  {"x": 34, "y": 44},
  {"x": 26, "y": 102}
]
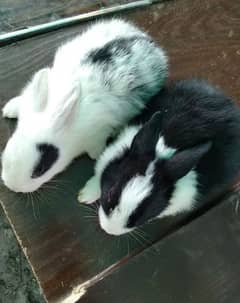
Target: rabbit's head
[
  {"x": 42, "y": 144},
  {"x": 143, "y": 179}
]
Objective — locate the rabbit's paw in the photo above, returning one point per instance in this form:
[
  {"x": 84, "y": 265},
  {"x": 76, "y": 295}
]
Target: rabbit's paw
[
  {"x": 95, "y": 152},
  {"x": 90, "y": 192}
]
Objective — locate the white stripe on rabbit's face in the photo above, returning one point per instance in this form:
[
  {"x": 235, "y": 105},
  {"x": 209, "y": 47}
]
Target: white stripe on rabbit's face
[
  {"x": 174, "y": 197},
  {"x": 136, "y": 190}
]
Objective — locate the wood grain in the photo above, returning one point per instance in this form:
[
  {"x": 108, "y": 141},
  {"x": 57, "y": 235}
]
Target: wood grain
[
  {"x": 63, "y": 246},
  {"x": 20, "y": 14}
]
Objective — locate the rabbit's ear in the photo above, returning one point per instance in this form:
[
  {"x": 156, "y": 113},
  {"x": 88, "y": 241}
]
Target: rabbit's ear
[
  {"x": 39, "y": 89},
  {"x": 183, "y": 161},
  {"x": 146, "y": 139},
  {"x": 63, "y": 113}
]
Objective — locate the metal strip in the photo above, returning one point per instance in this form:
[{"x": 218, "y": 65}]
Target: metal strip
[{"x": 50, "y": 26}]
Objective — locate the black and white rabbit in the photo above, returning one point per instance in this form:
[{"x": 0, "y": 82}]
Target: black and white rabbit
[
  {"x": 186, "y": 154},
  {"x": 97, "y": 83}
]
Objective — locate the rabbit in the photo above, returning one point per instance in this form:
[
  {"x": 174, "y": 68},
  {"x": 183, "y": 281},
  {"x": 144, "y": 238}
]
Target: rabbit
[
  {"x": 98, "y": 82},
  {"x": 179, "y": 154}
]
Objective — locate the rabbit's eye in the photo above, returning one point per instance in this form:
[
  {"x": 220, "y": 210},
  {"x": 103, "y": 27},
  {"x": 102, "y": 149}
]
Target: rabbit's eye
[
  {"x": 110, "y": 195},
  {"x": 48, "y": 156}
]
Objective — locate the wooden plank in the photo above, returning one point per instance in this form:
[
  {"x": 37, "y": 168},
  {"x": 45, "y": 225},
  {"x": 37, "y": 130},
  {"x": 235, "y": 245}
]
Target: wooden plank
[
  {"x": 20, "y": 14},
  {"x": 64, "y": 248},
  {"x": 38, "y": 29},
  {"x": 199, "y": 263}
]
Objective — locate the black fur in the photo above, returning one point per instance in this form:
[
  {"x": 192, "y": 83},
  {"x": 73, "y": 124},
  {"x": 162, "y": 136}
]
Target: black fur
[
  {"x": 202, "y": 124},
  {"x": 111, "y": 187},
  {"x": 184, "y": 161},
  {"x": 150, "y": 207},
  {"x": 194, "y": 112},
  {"x": 113, "y": 49},
  {"x": 48, "y": 156}
]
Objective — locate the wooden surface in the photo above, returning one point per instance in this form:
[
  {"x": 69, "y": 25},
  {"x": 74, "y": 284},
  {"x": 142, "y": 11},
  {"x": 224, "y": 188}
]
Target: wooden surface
[
  {"x": 198, "y": 264},
  {"x": 18, "y": 14},
  {"x": 65, "y": 248}
]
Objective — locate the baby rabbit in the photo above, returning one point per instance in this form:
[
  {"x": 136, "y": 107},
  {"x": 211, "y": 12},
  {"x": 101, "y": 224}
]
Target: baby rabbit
[
  {"x": 98, "y": 82},
  {"x": 184, "y": 156}
]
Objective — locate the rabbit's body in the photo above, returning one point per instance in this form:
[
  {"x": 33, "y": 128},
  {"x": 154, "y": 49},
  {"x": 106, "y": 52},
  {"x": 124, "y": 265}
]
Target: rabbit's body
[
  {"x": 186, "y": 154},
  {"x": 98, "y": 82},
  {"x": 200, "y": 113},
  {"x": 112, "y": 59}
]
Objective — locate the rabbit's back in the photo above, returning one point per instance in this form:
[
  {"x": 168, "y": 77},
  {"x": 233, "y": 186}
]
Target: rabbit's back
[
  {"x": 197, "y": 112},
  {"x": 95, "y": 36},
  {"x": 192, "y": 111},
  {"x": 111, "y": 58}
]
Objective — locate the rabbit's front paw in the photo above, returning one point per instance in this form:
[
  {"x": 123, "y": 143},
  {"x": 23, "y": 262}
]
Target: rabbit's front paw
[
  {"x": 90, "y": 192},
  {"x": 95, "y": 153},
  {"x": 11, "y": 109}
]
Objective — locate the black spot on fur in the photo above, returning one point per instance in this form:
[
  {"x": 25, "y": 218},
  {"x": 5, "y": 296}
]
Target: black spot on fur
[
  {"x": 48, "y": 156},
  {"x": 101, "y": 55},
  {"x": 117, "y": 47}
]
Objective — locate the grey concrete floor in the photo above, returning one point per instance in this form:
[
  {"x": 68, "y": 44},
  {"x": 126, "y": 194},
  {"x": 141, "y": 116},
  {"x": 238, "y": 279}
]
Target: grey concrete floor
[{"x": 17, "y": 282}]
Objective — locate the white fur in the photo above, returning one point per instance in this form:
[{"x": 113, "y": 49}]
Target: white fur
[
  {"x": 10, "y": 110},
  {"x": 135, "y": 191},
  {"x": 76, "y": 105},
  {"x": 183, "y": 197},
  {"x": 162, "y": 150}
]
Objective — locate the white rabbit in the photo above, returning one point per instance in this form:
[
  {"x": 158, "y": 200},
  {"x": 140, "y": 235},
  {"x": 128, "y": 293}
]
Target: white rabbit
[{"x": 97, "y": 83}]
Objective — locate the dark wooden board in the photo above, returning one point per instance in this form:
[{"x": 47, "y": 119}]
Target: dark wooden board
[
  {"x": 20, "y": 14},
  {"x": 64, "y": 248},
  {"x": 198, "y": 264}
]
